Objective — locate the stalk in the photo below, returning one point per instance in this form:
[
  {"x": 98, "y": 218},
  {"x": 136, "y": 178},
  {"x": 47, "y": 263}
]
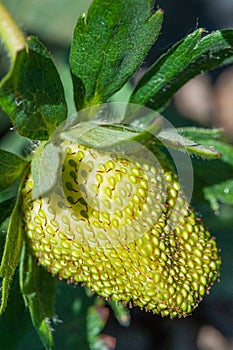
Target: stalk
[{"x": 10, "y": 33}]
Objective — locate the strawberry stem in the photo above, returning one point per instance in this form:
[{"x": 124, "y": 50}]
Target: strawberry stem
[{"x": 10, "y": 33}]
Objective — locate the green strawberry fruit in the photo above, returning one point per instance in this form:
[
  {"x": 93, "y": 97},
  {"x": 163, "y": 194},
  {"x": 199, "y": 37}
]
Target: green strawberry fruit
[{"x": 123, "y": 228}]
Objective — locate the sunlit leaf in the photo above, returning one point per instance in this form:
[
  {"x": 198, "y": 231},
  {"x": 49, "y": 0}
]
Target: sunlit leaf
[{"x": 38, "y": 290}]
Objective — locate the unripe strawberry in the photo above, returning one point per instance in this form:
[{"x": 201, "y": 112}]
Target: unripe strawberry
[{"x": 124, "y": 229}]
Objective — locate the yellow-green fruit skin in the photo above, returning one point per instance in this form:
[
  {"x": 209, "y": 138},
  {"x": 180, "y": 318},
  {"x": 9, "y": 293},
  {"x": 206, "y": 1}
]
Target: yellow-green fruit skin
[{"x": 167, "y": 269}]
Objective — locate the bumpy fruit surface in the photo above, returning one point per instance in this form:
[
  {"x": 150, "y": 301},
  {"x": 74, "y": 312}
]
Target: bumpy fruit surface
[{"x": 125, "y": 230}]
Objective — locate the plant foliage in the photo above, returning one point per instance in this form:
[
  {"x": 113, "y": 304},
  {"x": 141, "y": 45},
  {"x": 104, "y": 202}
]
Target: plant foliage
[{"x": 110, "y": 43}]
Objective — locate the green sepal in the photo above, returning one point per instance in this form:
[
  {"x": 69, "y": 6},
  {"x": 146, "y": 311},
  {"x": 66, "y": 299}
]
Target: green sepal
[
  {"x": 210, "y": 137},
  {"x": 97, "y": 317},
  {"x": 201, "y": 133},
  {"x": 173, "y": 139},
  {"x": 47, "y": 161},
  {"x": 216, "y": 186},
  {"x": 45, "y": 167},
  {"x": 188, "y": 58},
  {"x": 106, "y": 136},
  {"x": 109, "y": 45},
  {"x": 12, "y": 249},
  {"x": 38, "y": 290},
  {"x": 11, "y": 167},
  {"x": 121, "y": 313},
  {"x": 32, "y": 93}
]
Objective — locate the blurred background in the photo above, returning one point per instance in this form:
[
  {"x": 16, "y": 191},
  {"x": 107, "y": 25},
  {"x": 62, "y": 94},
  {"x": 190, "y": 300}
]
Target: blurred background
[{"x": 205, "y": 101}]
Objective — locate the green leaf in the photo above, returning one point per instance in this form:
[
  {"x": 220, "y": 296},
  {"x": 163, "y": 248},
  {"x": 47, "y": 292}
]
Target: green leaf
[
  {"x": 109, "y": 45},
  {"x": 6, "y": 208},
  {"x": 10, "y": 192},
  {"x": 11, "y": 167},
  {"x": 3, "y": 230},
  {"x": 38, "y": 290},
  {"x": 32, "y": 93},
  {"x": 188, "y": 58},
  {"x": 12, "y": 250}
]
